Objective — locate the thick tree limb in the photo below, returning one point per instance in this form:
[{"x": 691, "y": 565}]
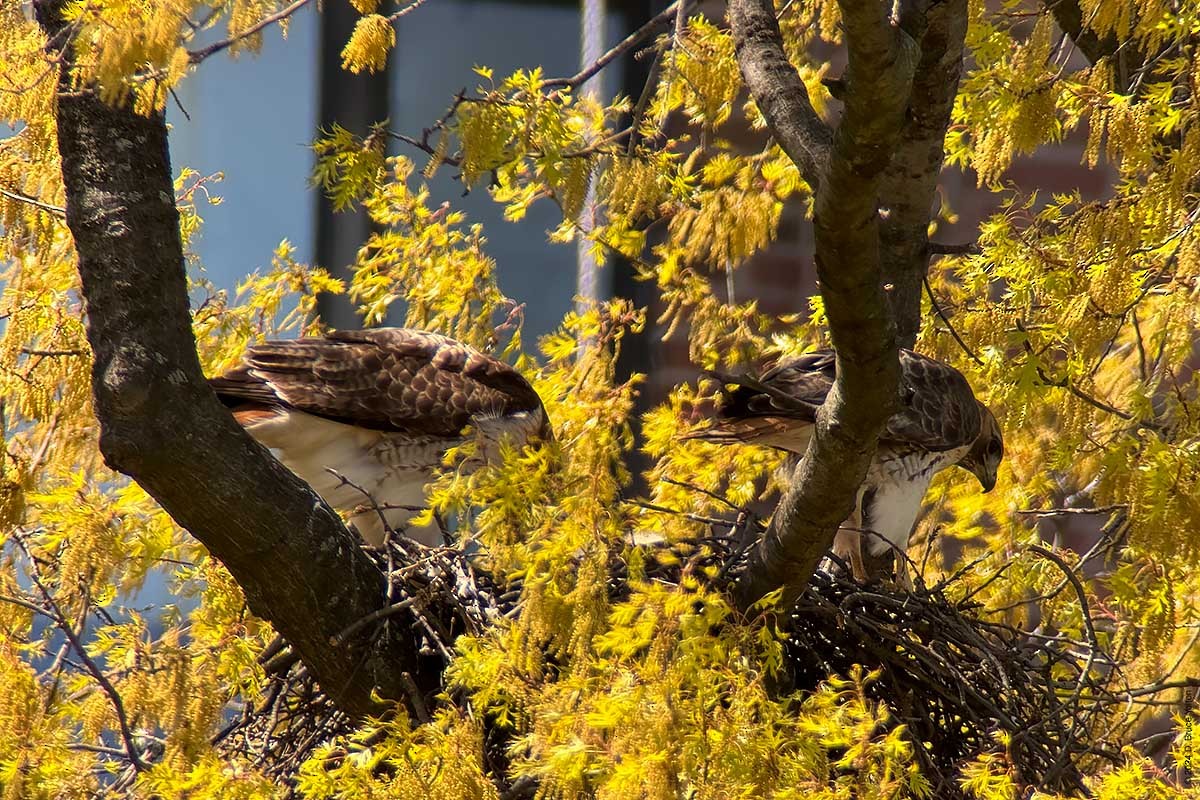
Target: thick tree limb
[
  {"x": 882, "y": 59},
  {"x": 162, "y": 425},
  {"x": 777, "y": 89},
  {"x": 910, "y": 182}
]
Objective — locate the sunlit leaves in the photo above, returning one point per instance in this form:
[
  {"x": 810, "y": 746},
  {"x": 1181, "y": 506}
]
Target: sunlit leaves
[
  {"x": 1080, "y": 318},
  {"x": 368, "y": 47}
]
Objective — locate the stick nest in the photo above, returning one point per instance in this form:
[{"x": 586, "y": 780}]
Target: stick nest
[{"x": 960, "y": 684}]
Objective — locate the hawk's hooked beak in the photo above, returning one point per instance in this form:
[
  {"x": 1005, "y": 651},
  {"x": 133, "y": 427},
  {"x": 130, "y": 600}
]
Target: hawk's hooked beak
[{"x": 988, "y": 482}]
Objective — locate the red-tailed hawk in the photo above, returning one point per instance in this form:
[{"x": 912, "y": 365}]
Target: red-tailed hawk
[
  {"x": 374, "y": 411},
  {"x": 939, "y": 424}
]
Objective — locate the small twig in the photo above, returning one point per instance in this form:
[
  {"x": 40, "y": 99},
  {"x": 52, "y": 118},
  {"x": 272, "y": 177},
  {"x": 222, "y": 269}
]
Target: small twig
[
  {"x": 424, "y": 146},
  {"x": 629, "y": 42},
  {"x": 196, "y": 56},
  {"x": 988, "y": 581},
  {"x": 179, "y": 105},
  {"x": 1080, "y": 592},
  {"x": 106, "y": 685},
  {"x": 372, "y": 505},
  {"x": 937, "y": 308},
  {"x": 686, "y": 515},
  {"x": 963, "y": 570},
  {"x": 281, "y": 662},
  {"x": 33, "y": 201},
  {"x": 30, "y": 351},
  {"x": 93, "y": 748},
  {"x": 28, "y": 606},
  {"x": 954, "y": 249},
  {"x": 276, "y": 646},
  {"x": 1066, "y": 383},
  {"x": 643, "y": 102},
  {"x": 374, "y": 616},
  {"x": 1093, "y": 640},
  {"x": 705, "y": 492},
  {"x": 1061, "y": 512},
  {"x": 408, "y": 9},
  {"x": 414, "y": 694}
]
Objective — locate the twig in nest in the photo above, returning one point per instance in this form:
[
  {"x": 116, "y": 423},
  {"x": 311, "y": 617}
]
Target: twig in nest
[{"x": 374, "y": 616}]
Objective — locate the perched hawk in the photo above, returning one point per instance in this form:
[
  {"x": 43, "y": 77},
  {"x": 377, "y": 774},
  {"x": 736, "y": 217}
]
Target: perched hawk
[
  {"x": 366, "y": 416},
  {"x": 939, "y": 424}
]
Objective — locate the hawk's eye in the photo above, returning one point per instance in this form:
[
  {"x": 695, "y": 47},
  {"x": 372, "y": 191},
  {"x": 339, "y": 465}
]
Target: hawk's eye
[{"x": 993, "y": 448}]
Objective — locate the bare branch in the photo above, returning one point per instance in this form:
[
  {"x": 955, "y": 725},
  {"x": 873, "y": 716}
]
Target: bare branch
[
  {"x": 374, "y": 616},
  {"x": 30, "y": 351},
  {"x": 954, "y": 249},
  {"x": 1069, "y": 16},
  {"x": 93, "y": 669},
  {"x": 621, "y": 48},
  {"x": 1066, "y": 383},
  {"x": 58, "y": 211},
  {"x": 777, "y": 88},
  {"x": 1063, "y": 512},
  {"x": 1130, "y": 64},
  {"x": 408, "y": 9},
  {"x": 949, "y": 325},
  {"x": 196, "y": 56}
]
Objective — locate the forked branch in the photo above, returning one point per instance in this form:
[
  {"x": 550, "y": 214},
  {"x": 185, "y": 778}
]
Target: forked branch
[{"x": 845, "y": 171}]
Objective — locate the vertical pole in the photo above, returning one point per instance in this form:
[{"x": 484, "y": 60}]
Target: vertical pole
[{"x": 592, "y": 36}]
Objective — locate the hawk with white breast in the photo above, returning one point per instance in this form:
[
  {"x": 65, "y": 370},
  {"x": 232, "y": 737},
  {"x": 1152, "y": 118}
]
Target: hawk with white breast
[
  {"x": 365, "y": 417},
  {"x": 939, "y": 424}
]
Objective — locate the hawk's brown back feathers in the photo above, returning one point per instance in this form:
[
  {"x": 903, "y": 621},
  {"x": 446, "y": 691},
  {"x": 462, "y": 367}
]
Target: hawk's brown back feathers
[
  {"x": 387, "y": 379},
  {"x": 937, "y": 412},
  {"x": 365, "y": 417}
]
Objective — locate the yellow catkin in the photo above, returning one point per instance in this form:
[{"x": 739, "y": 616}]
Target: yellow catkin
[{"x": 369, "y": 44}]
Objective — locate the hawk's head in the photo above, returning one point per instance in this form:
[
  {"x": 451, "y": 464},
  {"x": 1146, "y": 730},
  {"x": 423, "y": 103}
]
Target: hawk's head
[{"x": 985, "y": 455}]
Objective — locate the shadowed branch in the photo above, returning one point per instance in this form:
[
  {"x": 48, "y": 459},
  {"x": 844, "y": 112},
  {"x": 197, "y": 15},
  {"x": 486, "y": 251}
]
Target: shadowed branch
[{"x": 162, "y": 425}]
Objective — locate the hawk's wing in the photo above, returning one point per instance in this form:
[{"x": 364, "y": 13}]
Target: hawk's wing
[
  {"x": 937, "y": 410},
  {"x": 387, "y": 379},
  {"x": 776, "y": 409}
]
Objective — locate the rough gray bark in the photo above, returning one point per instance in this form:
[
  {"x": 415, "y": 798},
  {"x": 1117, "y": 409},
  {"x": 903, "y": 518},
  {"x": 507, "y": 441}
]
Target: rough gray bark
[
  {"x": 910, "y": 182},
  {"x": 778, "y": 90},
  {"x": 162, "y": 425},
  {"x": 848, "y": 174}
]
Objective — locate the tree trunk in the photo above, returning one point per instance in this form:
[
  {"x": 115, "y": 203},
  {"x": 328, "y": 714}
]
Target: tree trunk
[
  {"x": 897, "y": 86},
  {"x": 163, "y": 426}
]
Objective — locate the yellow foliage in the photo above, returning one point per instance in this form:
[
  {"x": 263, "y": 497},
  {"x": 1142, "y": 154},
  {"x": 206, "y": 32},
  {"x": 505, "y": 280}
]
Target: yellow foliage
[
  {"x": 1080, "y": 318},
  {"x": 369, "y": 45}
]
